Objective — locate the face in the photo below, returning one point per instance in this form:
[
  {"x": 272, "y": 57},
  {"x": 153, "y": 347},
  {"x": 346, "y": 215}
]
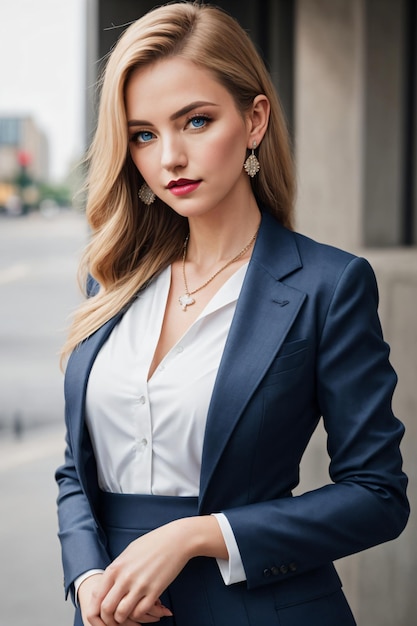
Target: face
[{"x": 186, "y": 136}]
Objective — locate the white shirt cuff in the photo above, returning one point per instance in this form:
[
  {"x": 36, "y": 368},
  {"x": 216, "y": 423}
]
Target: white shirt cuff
[
  {"x": 231, "y": 569},
  {"x": 82, "y": 578}
]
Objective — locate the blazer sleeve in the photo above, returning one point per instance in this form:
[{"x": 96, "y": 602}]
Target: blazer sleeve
[
  {"x": 366, "y": 503},
  {"x": 81, "y": 543}
]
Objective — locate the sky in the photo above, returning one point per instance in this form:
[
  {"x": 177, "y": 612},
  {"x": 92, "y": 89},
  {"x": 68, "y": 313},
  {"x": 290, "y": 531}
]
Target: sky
[{"x": 42, "y": 70}]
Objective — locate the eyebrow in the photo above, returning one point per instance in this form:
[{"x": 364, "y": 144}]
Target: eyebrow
[{"x": 177, "y": 114}]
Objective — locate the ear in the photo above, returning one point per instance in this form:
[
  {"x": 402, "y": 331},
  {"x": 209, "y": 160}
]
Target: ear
[{"x": 258, "y": 119}]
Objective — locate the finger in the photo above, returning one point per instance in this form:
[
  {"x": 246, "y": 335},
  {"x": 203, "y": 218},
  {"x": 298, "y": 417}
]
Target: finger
[
  {"x": 132, "y": 604},
  {"x": 92, "y": 620},
  {"x": 116, "y": 607},
  {"x": 91, "y": 615},
  {"x": 160, "y": 611},
  {"x": 115, "y": 610},
  {"x": 154, "y": 614},
  {"x": 108, "y": 616},
  {"x": 108, "y": 620}
]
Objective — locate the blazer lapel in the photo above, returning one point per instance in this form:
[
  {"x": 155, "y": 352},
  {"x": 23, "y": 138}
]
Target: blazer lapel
[
  {"x": 265, "y": 312},
  {"x": 76, "y": 378}
]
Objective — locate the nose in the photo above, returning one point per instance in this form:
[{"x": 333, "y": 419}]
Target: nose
[{"x": 173, "y": 153}]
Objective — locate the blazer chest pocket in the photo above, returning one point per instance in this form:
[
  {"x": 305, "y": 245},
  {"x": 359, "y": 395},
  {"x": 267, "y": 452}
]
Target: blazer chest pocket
[{"x": 291, "y": 355}]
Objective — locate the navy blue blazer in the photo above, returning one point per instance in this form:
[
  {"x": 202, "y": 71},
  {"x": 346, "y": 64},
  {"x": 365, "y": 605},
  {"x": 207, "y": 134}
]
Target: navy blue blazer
[{"x": 305, "y": 343}]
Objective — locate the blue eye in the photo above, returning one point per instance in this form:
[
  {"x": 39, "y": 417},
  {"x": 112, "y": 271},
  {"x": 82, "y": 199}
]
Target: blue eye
[
  {"x": 199, "y": 121},
  {"x": 144, "y": 136}
]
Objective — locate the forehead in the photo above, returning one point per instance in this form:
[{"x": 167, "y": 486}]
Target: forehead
[{"x": 169, "y": 84}]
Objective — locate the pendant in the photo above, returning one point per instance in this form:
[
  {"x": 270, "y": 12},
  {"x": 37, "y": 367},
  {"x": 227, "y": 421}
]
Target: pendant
[{"x": 185, "y": 300}]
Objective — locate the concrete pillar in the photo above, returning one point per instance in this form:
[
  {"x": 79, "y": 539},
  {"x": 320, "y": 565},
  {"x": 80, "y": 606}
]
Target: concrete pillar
[
  {"x": 350, "y": 119},
  {"x": 328, "y": 119}
]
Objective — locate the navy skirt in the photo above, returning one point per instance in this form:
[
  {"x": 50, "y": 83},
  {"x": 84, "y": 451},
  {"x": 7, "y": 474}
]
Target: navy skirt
[{"x": 199, "y": 597}]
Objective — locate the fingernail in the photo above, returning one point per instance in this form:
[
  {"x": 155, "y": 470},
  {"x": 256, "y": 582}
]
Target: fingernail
[{"x": 167, "y": 610}]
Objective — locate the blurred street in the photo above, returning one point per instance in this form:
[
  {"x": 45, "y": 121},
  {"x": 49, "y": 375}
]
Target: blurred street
[{"x": 38, "y": 262}]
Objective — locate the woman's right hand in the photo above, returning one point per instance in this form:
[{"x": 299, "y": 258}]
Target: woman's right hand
[{"x": 87, "y": 593}]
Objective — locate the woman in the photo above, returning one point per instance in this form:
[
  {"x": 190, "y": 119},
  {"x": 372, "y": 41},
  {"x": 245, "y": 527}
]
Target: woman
[{"x": 214, "y": 340}]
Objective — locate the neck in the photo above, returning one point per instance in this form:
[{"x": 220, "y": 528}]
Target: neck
[{"x": 217, "y": 239}]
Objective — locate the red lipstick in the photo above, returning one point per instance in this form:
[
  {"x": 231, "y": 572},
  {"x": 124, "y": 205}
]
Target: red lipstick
[{"x": 183, "y": 186}]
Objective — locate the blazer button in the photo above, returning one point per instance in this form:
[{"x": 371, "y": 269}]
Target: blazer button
[
  {"x": 267, "y": 572},
  {"x": 293, "y": 567},
  {"x": 275, "y": 570},
  {"x": 284, "y": 569}
]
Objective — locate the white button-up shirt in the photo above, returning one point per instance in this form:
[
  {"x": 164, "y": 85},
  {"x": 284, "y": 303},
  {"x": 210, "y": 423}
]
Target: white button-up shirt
[{"x": 148, "y": 435}]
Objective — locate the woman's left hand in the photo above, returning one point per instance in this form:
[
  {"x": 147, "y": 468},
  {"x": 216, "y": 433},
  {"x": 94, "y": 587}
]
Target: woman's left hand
[{"x": 132, "y": 585}]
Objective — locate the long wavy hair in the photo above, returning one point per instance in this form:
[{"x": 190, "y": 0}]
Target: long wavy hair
[{"x": 131, "y": 243}]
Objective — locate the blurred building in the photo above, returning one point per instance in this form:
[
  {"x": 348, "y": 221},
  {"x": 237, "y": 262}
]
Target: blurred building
[
  {"x": 346, "y": 72},
  {"x": 22, "y": 144}
]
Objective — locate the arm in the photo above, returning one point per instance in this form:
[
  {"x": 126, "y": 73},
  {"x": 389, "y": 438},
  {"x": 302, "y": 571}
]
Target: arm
[
  {"x": 131, "y": 586},
  {"x": 82, "y": 549},
  {"x": 366, "y": 504}
]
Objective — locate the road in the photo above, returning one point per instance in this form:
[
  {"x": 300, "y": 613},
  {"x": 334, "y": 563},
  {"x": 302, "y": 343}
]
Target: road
[{"x": 38, "y": 290}]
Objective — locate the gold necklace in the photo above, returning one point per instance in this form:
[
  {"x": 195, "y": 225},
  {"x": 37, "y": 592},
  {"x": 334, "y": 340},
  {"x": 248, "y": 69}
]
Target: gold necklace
[{"x": 187, "y": 299}]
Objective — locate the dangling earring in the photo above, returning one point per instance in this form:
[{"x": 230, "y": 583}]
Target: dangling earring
[
  {"x": 252, "y": 165},
  {"x": 146, "y": 194}
]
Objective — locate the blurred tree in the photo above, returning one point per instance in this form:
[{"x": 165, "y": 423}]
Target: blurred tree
[{"x": 58, "y": 193}]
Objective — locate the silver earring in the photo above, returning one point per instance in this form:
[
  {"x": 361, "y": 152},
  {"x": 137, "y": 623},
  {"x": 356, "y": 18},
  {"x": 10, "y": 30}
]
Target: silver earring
[
  {"x": 146, "y": 194},
  {"x": 252, "y": 165}
]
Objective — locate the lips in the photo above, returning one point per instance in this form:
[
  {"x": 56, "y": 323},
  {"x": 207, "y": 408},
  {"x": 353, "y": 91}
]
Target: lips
[
  {"x": 180, "y": 182},
  {"x": 183, "y": 186}
]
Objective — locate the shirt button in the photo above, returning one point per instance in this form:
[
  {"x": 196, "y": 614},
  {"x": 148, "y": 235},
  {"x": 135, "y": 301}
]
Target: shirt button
[
  {"x": 180, "y": 349},
  {"x": 144, "y": 441},
  {"x": 142, "y": 399}
]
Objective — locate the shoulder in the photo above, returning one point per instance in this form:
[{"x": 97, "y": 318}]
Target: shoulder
[
  {"x": 311, "y": 249},
  {"x": 334, "y": 277},
  {"x": 334, "y": 266},
  {"x": 307, "y": 263},
  {"x": 278, "y": 241}
]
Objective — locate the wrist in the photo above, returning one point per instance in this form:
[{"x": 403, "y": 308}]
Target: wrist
[
  {"x": 203, "y": 537},
  {"x": 87, "y": 583},
  {"x": 79, "y": 581}
]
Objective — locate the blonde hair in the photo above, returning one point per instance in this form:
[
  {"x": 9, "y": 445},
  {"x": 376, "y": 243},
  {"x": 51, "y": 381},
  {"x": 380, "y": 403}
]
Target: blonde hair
[{"x": 131, "y": 243}]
